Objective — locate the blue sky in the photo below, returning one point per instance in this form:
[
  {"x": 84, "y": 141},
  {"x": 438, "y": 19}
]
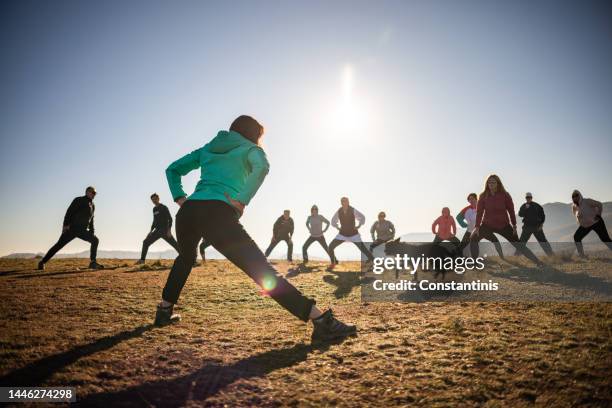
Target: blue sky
[{"x": 402, "y": 106}]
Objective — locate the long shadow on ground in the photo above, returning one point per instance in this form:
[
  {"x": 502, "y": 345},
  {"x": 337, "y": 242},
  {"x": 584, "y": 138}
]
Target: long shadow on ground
[
  {"x": 38, "y": 371},
  {"x": 343, "y": 281},
  {"x": 550, "y": 275},
  {"x": 207, "y": 381}
]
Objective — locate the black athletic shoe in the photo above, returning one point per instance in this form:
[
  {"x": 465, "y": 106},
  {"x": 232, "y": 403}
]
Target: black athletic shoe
[
  {"x": 164, "y": 316},
  {"x": 327, "y": 327},
  {"x": 95, "y": 265},
  {"x": 41, "y": 266}
]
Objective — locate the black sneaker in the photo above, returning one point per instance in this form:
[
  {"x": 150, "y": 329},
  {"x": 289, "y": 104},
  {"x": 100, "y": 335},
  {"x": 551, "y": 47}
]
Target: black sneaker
[
  {"x": 41, "y": 266},
  {"x": 95, "y": 265},
  {"x": 164, "y": 316},
  {"x": 327, "y": 327}
]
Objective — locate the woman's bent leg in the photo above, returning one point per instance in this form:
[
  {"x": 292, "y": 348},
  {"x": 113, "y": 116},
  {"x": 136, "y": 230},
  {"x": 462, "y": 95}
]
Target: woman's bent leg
[{"x": 188, "y": 232}]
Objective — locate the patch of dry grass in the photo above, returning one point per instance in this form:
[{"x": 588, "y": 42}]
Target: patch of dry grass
[{"x": 69, "y": 325}]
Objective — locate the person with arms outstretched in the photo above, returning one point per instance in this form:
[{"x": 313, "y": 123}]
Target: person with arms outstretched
[
  {"x": 533, "y": 217},
  {"x": 347, "y": 220},
  {"x": 494, "y": 207},
  {"x": 382, "y": 231},
  {"x": 444, "y": 228},
  {"x": 282, "y": 231},
  {"x": 467, "y": 219},
  {"x": 233, "y": 167},
  {"x": 588, "y": 215},
  {"x": 160, "y": 228},
  {"x": 78, "y": 223},
  {"x": 314, "y": 223}
]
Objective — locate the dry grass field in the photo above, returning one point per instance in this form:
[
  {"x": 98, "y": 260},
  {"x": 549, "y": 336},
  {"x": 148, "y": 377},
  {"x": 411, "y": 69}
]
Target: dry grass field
[{"x": 92, "y": 330}]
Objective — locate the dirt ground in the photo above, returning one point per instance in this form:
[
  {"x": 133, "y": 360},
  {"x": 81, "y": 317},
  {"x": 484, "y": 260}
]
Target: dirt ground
[{"x": 71, "y": 326}]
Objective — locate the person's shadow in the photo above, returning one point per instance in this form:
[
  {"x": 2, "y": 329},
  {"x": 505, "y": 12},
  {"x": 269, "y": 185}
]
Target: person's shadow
[
  {"x": 38, "y": 371},
  {"x": 301, "y": 268},
  {"x": 207, "y": 381},
  {"x": 550, "y": 275},
  {"x": 344, "y": 282}
]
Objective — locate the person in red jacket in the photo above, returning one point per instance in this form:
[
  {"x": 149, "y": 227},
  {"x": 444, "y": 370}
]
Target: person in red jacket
[
  {"x": 494, "y": 207},
  {"x": 446, "y": 228}
]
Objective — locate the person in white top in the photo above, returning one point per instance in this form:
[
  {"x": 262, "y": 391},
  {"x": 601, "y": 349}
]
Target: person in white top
[
  {"x": 467, "y": 219},
  {"x": 345, "y": 220},
  {"x": 314, "y": 223}
]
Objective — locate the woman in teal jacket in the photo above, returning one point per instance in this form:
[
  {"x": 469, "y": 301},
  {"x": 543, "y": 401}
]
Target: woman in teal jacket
[{"x": 233, "y": 167}]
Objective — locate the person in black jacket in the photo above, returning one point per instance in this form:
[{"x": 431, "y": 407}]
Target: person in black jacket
[
  {"x": 282, "y": 231},
  {"x": 78, "y": 223},
  {"x": 161, "y": 228},
  {"x": 533, "y": 217}
]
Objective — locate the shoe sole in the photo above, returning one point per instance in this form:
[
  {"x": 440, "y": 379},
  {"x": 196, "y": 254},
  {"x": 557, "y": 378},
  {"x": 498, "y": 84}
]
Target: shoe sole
[
  {"x": 167, "y": 323},
  {"x": 336, "y": 337}
]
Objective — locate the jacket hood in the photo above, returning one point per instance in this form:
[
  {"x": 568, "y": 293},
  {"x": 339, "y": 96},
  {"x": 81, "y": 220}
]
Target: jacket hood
[
  {"x": 226, "y": 141},
  {"x": 579, "y": 195}
]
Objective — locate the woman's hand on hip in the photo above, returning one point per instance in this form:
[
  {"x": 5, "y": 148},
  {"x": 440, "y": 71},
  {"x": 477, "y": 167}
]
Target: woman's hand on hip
[{"x": 235, "y": 203}]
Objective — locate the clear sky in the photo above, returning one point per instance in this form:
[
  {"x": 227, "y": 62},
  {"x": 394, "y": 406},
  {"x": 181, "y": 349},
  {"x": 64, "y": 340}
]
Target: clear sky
[{"x": 403, "y": 106}]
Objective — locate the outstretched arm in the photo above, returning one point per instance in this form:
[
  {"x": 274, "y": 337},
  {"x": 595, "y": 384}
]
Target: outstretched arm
[{"x": 178, "y": 169}]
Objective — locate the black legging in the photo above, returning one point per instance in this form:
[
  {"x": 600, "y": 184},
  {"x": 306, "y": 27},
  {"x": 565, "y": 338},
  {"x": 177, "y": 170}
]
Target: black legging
[
  {"x": 68, "y": 236},
  {"x": 217, "y": 222},
  {"x": 309, "y": 241},
  {"x": 507, "y": 232},
  {"x": 334, "y": 244},
  {"x": 539, "y": 234},
  {"x": 274, "y": 242},
  {"x": 465, "y": 241},
  {"x": 600, "y": 229},
  {"x": 154, "y": 236}
]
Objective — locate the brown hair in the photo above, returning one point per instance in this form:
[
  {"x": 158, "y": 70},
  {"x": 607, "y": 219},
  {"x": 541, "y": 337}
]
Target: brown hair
[
  {"x": 472, "y": 195},
  {"x": 248, "y": 127},
  {"x": 486, "y": 192}
]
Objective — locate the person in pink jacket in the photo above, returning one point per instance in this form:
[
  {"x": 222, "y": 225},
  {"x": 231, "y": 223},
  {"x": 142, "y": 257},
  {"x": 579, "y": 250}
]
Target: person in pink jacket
[
  {"x": 446, "y": 228},
  {"x": 493, "y": 208},
  {"x": 588, "y": 215}
]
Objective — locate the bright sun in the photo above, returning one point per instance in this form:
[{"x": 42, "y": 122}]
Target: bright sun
[{"x": 347, "y": 114}]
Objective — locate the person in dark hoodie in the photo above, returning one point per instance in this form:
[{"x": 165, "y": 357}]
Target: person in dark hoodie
[
  {"x": 533, "y": 217},
  {"x": 588, "y": 215},
  {"x": 233, "y": 167},
  {"x": 282, "y": 231},
  {"x": 78, "y": 223},
  {"x": 161, "y": 228}
]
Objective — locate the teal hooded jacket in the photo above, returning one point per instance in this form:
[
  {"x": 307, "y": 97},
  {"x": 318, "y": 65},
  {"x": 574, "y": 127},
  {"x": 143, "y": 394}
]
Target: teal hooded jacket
[{"x": 229, "y": 163}]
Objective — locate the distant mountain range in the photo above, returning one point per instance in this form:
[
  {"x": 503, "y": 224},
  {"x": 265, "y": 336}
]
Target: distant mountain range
[{"x": 560, "y": 226}]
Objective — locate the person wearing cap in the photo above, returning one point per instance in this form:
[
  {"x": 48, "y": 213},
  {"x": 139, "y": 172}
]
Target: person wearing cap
[
  {"x": 533, "y": 217},
  {"x": 160, "y": 228},
  {"x": 282, "y": 231},
  {"x": 78, "y": 223},
  {"x": 382, "y": 231},
  {"x": 588, "y": 215},
  {"x": 314, "y": 223},
  {"x": 347, "y": 220}
]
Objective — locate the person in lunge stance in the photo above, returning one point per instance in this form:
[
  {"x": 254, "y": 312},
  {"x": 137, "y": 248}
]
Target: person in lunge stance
[
  {"x": 494, "y": 207},
  {"x": 161, "y": 228},
  {"x": 314, "y": 223},
  {"x": 203, "y": 245},
  {"x": 282, "y": 231},
  {"x": 233, "y": 167},
  {"x": 446, "y": 228},
  {"x": 348, "y": 228},
  {"x": 588, "y": 215},
  {"x": 78, "y": 223},
  {"x": 382, "y": 231},
  {"x": 533, "y": 217},
  {"x": 467, "y": 219}
]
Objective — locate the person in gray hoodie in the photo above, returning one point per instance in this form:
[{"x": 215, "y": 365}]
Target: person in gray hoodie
[
  {"x": 314, "y": 223},
  {"x": 382, "y": 231},
  {"x": 588, "y": 215}
]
